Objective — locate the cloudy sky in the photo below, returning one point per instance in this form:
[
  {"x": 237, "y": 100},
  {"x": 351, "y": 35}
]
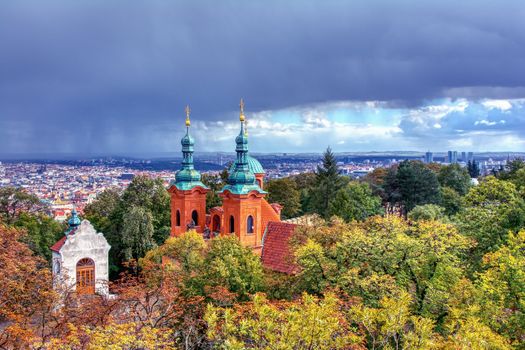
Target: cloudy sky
[{"x": 113, "y": 77}]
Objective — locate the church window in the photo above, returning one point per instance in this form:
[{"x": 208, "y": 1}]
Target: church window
[
  {"x": 249, "y": 224},
  {"x": 232, "y": 224},
  {"x": 177, "y": 218}
]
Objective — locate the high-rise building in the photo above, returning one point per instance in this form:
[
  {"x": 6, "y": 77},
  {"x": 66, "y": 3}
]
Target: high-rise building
[
  {"x": 452, "y": 157},
  {"x": 429, "y": 157},
  {"x": 464, "y": 157},
  {"x": 470, "y": 157}
]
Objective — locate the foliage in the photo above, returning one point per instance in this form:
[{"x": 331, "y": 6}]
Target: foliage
[
  {"x": 411, "y": 184},
  {"x": 284, "y": 191},
  {"x": 355, "y": 201},
  {"x": 215, "y": 184},
  {"x": 427, "y": 212},
  {"x": 451, "y": 201},
  {"x": 107, "y": 214},
  {"x": 473, "y": 169},
  {"x": 16, "y": 200},
  {"x": 113, "y": 336},
  {"x": 42, "y": 232},
  {"x": 455, "y": 177},
  {"x": 137, "y": 233},
  {"x": 327, "y": 183},
  {"x": 309, "y": 323}
]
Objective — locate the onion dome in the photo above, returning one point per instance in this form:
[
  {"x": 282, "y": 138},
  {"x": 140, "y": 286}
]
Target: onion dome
[
  {"x": 242, "y": 178},
  {"x": 74, "y": 220},
  {"x": 253, "y": 164},
  {"x": 187, "y": 177}
]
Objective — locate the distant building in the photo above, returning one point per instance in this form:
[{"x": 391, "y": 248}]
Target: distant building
[
  {"x": 429, "y": 157},
  {"x": 464, "y": 157},
  {"x": 80, "y": 259},
  {"x": 470, "y": 156},
  {"x": 452, "y": 157}
]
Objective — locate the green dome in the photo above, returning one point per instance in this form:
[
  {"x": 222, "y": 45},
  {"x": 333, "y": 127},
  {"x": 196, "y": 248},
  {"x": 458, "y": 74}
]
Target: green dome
[
  {"x": 253, "y": 164},
  {"x": 74, "y": 220}
]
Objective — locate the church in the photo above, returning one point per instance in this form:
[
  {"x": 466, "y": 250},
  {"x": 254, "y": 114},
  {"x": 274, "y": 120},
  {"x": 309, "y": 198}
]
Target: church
[
  {"x": 80, "y": 259},
  {"x": 244, "y": 213}
]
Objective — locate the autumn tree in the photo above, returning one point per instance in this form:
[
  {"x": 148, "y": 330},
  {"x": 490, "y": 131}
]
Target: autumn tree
[{"x": 14, "y": 201}]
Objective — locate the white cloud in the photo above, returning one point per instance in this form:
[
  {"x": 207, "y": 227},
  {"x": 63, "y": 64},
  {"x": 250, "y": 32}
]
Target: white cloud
[{"x": 503, "y": 105}]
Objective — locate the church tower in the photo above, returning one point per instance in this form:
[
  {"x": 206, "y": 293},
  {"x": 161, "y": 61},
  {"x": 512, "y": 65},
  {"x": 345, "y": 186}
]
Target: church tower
[
  {"x": 188, "y": 193},
  {"x": 242, "y": 196}
]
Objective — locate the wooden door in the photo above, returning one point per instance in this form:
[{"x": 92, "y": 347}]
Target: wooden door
[{"x": 85, "y": 276}]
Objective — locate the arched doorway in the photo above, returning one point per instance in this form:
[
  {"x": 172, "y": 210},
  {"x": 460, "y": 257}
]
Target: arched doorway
[
  {"x": 85, "y": 276},
  {"x": 216, "y": 224}
]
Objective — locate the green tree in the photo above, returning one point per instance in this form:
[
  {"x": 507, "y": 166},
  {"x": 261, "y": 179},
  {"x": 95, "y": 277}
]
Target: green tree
[
  {"x": 327, "y": 183},
  {"x": 451, "y": 200},
  {"x": 355, "y": 202},
  {"x": 427, "y": 212},
  {"x": 232, "y": 266},
  {"x": 473, "y": 169},
  {"x": 137, "y": 233},
  {"x": 284, "y": 191},
  {"x": 455, "y": 177},
  {"x": 215, "y": 184},
  {"x": 492, "y": 210},
  {"x": 411, "y": 184},
  {"x": 305, "y": 183},
  {"x": 42, "y": 232}
]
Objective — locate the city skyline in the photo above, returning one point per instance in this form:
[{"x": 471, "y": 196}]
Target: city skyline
[{"x": 114, "y": 78}]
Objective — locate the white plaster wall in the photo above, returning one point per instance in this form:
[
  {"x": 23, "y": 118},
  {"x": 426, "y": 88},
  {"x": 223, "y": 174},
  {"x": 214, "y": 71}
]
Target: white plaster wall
[{"x": 85, "y": 243}]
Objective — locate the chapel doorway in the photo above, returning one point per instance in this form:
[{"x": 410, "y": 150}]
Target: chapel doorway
[{"x": 85, "y": 276}]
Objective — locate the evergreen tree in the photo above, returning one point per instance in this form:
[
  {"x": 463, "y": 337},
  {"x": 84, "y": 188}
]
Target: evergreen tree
[
  {"x": 411, "y": 184},
  {"x": 473, "y": 169},
  {"x": 327, "y": 183}
]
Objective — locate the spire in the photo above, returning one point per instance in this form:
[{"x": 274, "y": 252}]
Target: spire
[
  {"x": 188, "y": 177},
  {"x": 242, "y": 179}
]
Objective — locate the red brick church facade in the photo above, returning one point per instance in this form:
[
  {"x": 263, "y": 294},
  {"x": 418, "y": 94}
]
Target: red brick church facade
[{"x": 245, "y": 212}]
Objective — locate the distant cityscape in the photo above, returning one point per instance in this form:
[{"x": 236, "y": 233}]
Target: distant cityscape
[{"x": 68, "y": 184}]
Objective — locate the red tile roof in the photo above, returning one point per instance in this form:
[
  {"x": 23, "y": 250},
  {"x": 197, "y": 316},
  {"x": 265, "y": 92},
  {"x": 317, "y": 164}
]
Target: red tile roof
[
  {"x": 60, "y": 243},
  {"x": 276, "y": 253}
]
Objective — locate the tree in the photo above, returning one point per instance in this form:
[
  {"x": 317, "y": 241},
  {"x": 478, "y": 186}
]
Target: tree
[
  {"x": 101, "y": 211},
  {"x": 305, "y": 183},
  {"x": 426, "y": 212},
  {"x": 451, "y": 200},
  {"x": 309, "y": 323},
  {"x": 473, "y": 169},
  {"x": 502, "y": 285},
  {"x": 26, "y": 293},
  {"x": 412, "y": 184},
  {"x": 284, "y": 191},
  {"x": 327, "y": 183},
  {"x": 455, "y": 177},
  {"x": 492, "y": 210},
  {"x": 42, "y": 232},
  {"x": 355, "y": 202},
  {"x": 215, "y": 184},
  {"x": 15, "y": 200},
  {"x": 137, "y": 233}
]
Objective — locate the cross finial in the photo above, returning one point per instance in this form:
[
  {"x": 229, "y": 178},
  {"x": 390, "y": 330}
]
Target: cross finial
[
  {"x": 188, "y": 110},
  {"x": 241, "y": 105}
]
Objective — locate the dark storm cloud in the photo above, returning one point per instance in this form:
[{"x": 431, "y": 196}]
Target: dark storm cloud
[{"x": 99, "y": 76}]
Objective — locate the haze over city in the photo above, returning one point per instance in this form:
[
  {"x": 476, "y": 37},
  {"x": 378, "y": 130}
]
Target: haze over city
[{"x": 96, "y": 78}]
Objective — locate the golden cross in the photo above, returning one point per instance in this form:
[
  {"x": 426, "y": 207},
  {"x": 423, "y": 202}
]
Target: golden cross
[
  {"x": 242, "y": 106},
  {"x": 188, "y": 110}
]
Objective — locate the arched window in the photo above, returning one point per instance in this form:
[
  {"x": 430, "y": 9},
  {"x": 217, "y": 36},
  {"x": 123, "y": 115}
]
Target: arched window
[
  {"x": 249, "y": 224},
  {"x": 177, "y": 218},
  {"x": 195, "y": 217},
  {"x": 86, "y": 276},
  {"x": 259, "y": 182},
  {"x": 216, "y": 223},
  {"x": 232, "y": 224}
]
